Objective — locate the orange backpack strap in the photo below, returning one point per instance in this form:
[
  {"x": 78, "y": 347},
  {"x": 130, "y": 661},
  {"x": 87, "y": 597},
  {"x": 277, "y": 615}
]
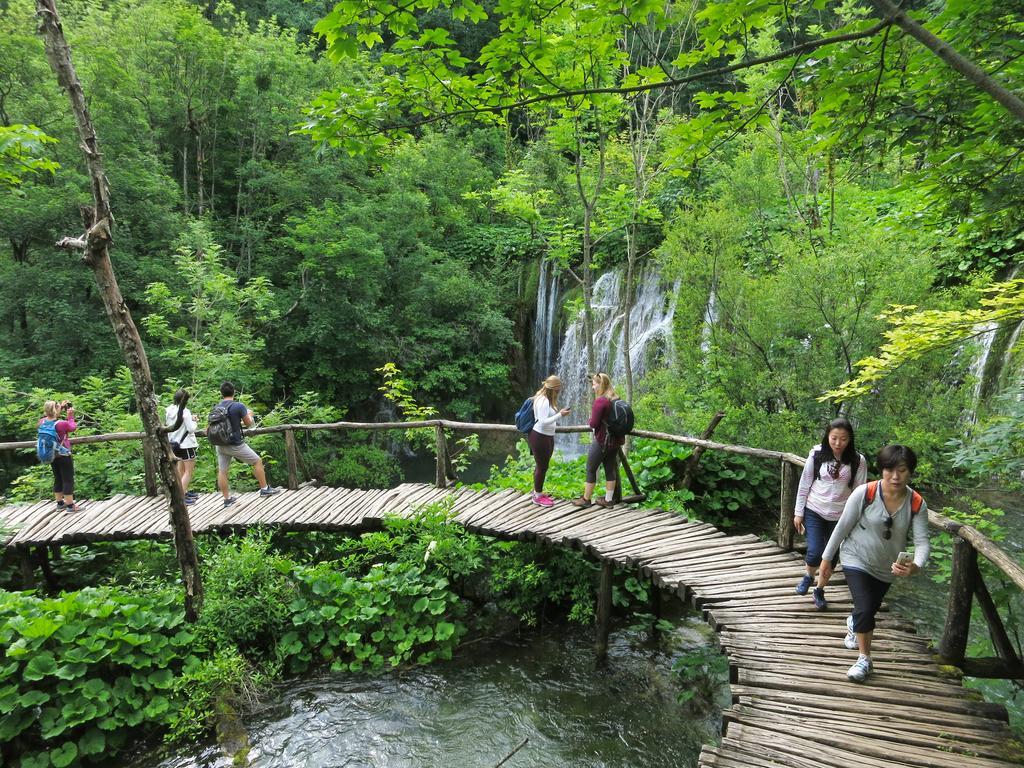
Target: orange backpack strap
[
  {"x": 915, "y": 502},
  {"x": 869, "y": 494}
]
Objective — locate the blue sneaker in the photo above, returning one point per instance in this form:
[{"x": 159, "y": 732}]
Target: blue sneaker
[
  {"x": 820, "y": 602},
  {"x": 229, "y": 501},
  {"x": 269, "y": 491},
  {"x": 804, "y": 584}
]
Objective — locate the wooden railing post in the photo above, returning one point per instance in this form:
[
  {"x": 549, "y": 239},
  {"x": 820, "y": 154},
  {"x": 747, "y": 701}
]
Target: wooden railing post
[
  {"x": 961, "y": 593},
  {"x": 441, "y": 477},
  {"x": 789, "y": 482},
  {"x": 149, "y": 461},
  {"x": 291, "y": 452}
]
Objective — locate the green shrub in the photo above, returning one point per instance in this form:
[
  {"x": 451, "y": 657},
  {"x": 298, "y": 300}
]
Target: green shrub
[
  {"x": 80, "y": 671},
  {"x": 393, "y": 615},
  {"x": 248, "y": 589}
]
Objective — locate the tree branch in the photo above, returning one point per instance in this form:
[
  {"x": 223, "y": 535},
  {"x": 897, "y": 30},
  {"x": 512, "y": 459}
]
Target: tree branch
[{"x": 971, "y": 71}]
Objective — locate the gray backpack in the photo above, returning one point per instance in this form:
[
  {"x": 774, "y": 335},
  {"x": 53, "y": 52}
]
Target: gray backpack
[{"x": 218, "y": 425}]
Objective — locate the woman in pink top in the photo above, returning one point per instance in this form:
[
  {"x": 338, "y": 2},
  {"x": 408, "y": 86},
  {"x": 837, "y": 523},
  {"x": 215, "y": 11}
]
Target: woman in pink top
[
  {"x": 833, "y": 469},
  {"x": 63, "y": 467}
]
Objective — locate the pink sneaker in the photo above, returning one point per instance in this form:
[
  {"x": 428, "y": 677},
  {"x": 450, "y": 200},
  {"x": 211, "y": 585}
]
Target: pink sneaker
[{"x": 543, "y": 500}]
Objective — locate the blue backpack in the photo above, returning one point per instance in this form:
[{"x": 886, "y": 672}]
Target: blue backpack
[
  {"x": 48, "y": 445},
  {"x": 524, "y": 416}
]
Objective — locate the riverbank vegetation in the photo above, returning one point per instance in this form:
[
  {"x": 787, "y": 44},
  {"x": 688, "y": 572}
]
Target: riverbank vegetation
[{"x": 110, "y": 659}]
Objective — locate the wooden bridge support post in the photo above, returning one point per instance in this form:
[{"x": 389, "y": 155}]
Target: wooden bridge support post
[
  {"x": 790, "y": 481},
  {"x": 961, "y": 592},
  {"x": 1004, "y": 647},
  {"x": 441, "y": 476},
  {"x": 27, "y": 567},
  {"x": 604, "y": 610},
  {"x": 149, "y": 461},
  {"x": 291, "y": 452}
]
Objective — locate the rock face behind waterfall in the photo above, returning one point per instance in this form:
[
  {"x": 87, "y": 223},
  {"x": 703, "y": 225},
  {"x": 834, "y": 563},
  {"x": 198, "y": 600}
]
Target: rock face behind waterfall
[{"x": 650, "y": 342}]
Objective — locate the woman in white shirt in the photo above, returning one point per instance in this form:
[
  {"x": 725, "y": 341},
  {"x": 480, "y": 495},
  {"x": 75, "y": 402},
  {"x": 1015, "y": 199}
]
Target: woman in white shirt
[
  {"x": 542, "y": 436},
  {"x": 833, "y": 469},
  {"x": 182, "y": 436}
]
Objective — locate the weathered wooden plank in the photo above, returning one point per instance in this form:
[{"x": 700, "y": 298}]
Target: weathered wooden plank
[
  {"x": 951, "y": 737},
  {"x": 868, "y": 746}
]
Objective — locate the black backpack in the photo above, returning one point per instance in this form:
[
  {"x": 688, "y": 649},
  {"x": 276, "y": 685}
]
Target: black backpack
[
  {"x": 620, "y": 419},
  {"x": 218, "y": 425}
]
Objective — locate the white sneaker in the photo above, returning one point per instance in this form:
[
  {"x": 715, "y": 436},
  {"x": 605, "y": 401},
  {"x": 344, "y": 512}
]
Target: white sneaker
[
  {"x": 860, "y": 670},
  {"x": 850, "y": 641}
]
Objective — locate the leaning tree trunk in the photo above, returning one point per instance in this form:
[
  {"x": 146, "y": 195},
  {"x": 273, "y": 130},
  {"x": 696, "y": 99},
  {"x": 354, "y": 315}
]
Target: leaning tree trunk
[{"x": 95, "y": 245}]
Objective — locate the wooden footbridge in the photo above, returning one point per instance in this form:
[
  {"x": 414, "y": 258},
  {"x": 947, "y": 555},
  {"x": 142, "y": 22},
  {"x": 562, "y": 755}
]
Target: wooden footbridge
[{"x": 792, "y": 704}]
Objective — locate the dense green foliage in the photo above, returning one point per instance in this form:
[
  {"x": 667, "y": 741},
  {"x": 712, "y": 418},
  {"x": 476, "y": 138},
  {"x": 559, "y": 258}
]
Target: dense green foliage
[{"x": 86, "y": 668}]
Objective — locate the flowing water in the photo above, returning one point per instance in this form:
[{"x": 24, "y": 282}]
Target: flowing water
[
  {"x": 650, "y": 332},
  {"x": 475, "y": 710}
]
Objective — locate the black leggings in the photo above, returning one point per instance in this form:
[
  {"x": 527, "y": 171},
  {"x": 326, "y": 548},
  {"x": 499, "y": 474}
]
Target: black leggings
[
  {"x": 542, "y": 446},
  {"x": 599, "y": 455},
  {"x": 63, "y": 475},
  {"x": 868, "y": 593}
]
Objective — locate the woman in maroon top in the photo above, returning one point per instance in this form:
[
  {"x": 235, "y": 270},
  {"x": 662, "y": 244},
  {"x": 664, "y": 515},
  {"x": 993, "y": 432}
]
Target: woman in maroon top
[{"x": 604, "y": 450}]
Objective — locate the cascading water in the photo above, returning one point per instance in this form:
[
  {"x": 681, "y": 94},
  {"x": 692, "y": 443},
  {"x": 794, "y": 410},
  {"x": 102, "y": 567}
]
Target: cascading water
[
  {"x": 650, "y": 334},
  {"x": 543, "y": 325}
]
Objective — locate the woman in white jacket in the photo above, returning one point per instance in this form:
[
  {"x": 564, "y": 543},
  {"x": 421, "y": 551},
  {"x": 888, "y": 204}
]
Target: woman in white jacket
[
  {"x": 542, "y": 436},
  {"x": 182, "y": 435}
]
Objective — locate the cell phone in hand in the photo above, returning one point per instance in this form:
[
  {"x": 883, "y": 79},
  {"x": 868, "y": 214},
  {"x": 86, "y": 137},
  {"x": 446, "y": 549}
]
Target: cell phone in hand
[{"x": 904, "y": 558}]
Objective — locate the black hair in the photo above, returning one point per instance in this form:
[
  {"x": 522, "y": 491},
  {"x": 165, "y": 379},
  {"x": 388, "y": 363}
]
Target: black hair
[
  {"x": 850, "y": 455},
  {"x": 891, "y": 456},
  {"x": 227, "y": 389},
  {"x": 180, "y": 400}
]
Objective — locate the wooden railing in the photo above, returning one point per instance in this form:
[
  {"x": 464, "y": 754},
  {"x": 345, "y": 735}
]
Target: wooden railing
[{"x": 966, "y": 582}]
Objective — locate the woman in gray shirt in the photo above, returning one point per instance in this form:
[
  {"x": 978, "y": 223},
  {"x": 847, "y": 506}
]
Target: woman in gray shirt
[{"x": 870, "y": 535}]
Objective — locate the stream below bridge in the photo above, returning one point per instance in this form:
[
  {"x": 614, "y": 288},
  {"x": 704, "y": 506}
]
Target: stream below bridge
[{"x": 473, "y": 711}]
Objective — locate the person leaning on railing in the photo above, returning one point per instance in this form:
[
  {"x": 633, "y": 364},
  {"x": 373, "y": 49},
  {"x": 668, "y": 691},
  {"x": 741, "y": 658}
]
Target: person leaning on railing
[{"x": 870, "y": 536}]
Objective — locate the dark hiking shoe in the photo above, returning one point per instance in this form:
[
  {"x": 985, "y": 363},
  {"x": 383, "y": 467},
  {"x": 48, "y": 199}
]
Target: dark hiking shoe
[
  {"x": 804, "y": 584},
  {"x": 269, "y": 491},
  {"x": 582, "y": 502},
  {"x": 229, "y": 501},
  {"x": 819, "y": 599},
  {"x": 603, "y": 502}
]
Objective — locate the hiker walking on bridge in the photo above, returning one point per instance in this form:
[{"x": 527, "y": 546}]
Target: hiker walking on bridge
[
  {"x": 604, "y": 448},
  {"x": 833, "y": 469},
  {"x": 871, "y": 535}
]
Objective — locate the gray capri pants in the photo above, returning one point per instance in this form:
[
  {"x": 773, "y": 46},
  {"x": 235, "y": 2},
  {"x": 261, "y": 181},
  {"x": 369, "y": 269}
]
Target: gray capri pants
[{"x": 598, "y": 455}]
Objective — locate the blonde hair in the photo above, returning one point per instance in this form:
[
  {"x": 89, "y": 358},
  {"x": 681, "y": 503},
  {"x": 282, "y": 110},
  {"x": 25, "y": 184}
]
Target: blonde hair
[
  {"x": 604, "y": 386},
  {"x": 550, "y": 388},
  {"x": 50, "y": 409}
]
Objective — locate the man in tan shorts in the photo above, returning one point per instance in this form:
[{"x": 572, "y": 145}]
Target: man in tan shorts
[{"x": 239, "y": 416}]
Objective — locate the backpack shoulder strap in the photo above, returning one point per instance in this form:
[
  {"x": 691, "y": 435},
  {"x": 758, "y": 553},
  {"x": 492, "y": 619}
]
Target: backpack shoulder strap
[
  {"x": 870, "y": 490},
  {"x": 915, "y": 502},
  {"x": 817, "y": 463}
]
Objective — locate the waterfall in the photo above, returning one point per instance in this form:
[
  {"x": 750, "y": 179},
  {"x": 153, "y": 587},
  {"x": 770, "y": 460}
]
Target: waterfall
[
  {"x": 543, "y": 324},
  {"x": 986, "y": 339},
  {"x": 650, "y": 341}
]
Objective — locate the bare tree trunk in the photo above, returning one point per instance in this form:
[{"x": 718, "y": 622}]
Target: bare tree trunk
[{"x": 95, "y": 244}]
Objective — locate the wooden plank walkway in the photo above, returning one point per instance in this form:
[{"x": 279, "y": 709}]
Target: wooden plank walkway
[{"x": 792, "y": 703}]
